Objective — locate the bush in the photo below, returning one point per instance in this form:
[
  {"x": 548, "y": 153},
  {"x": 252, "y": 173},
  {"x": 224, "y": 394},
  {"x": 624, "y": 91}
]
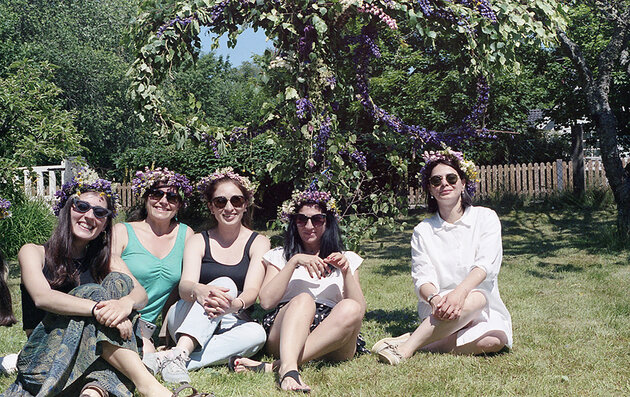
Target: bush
[{"x": 32, "y": 222}]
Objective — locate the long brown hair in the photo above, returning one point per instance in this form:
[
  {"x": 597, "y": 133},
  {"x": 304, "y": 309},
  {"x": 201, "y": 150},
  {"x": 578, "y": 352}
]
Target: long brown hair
[{"x": 59, "y": 263}]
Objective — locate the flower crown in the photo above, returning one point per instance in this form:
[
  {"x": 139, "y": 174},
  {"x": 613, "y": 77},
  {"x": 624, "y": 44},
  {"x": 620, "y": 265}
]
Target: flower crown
[
  {"x": 227, "y": 172},
  {"x": 85, "y": 180},
  {"x": 299, "y": 198},
  {"x": 149, "y": 178},
  {"x": 469, "y": 168},
  {"x": 4, "y": 208}
]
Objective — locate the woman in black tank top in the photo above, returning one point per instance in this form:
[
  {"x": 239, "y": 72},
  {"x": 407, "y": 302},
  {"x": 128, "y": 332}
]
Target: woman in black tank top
[{"x": 221, "y": 277}]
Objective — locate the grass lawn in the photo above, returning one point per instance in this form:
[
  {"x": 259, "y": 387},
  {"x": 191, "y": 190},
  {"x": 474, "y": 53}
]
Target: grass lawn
[{"x": 566, "y": 289}]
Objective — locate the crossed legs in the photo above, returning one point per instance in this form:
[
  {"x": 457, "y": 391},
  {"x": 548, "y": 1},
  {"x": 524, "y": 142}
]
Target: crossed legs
[{"x": 441, "y": 336}]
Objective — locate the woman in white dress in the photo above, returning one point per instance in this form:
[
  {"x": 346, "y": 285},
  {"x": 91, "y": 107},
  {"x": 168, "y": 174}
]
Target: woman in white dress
[{"x": 456, "y": 256}]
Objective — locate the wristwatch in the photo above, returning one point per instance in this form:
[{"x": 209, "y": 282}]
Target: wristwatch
[{"x": 431, "y": 297}]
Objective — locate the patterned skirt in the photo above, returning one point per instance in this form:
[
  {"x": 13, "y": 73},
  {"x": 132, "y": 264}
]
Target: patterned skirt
[
  {"x": 321, "y": 312},
  {"x": 63, "y": 352}
]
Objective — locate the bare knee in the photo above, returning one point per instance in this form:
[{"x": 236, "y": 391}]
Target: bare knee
[
  {"x": 304, "y": 301},
  {"x": 492, "y": 343},
  {"x": 349, "y": 312}
]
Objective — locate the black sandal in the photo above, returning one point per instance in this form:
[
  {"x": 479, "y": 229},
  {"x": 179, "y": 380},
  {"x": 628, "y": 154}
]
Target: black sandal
[
  {"x": 295, "y": 375},
  {"x": 195, "y": 393},
  {"x": 254, "y": 368}
]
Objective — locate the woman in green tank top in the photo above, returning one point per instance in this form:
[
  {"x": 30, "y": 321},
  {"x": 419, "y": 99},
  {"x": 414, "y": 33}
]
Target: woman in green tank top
[{"x": 152, "y": 241}]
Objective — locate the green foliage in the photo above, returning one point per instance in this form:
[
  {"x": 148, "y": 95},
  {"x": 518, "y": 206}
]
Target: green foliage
[
  {"x": 32, "y": 222},
  {"x": 34, "y": 127},
  {"x": 314, "y": 61},
  {"x": 83, "y": 39}
]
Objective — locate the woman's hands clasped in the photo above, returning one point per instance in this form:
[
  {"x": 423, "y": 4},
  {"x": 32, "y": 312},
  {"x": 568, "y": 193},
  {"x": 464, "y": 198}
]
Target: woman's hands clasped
[
  {"x": 115, "y": 314},
  {"x": 314, "y": 265},
  {"x": 449, "y": 307},
  {"x": 215, "y": 300},
  {"x": 320, "y": 268}
]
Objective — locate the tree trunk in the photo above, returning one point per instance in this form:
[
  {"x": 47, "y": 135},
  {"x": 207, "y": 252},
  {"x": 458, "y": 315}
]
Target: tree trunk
[{"x": 596, "y": 90}]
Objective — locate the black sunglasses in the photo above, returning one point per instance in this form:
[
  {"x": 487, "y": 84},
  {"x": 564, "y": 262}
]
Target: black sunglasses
[
  {"x": 317, "y": 220},
  {"x": 171, "y": 197},
  {"x": 436, "y": 180},
  {"x": 236, "y": 201},
  {"x": 83, "y": 207}
]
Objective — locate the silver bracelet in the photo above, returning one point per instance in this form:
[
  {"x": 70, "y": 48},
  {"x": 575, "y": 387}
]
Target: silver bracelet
[{"x": 431, "y": 297}]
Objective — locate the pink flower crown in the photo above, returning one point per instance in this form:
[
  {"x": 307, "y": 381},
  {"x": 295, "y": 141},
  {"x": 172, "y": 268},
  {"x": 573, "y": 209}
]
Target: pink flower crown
[{"x": 227, "y": 172}]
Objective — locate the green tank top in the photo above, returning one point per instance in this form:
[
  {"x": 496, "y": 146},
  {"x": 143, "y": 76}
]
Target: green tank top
[{"x": 157, "y": 276}]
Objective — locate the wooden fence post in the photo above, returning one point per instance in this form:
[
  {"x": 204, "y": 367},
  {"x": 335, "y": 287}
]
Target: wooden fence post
[{"x": 560, "y": 173}]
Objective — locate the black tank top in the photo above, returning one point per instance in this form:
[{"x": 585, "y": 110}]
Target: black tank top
[
  {"x": 211, "y": 269},
  {"x": 31, "y": 315}
]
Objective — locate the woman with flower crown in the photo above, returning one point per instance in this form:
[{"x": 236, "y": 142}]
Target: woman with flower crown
[
  {"x": 456, "y": 256},
  {"x": 80, "y": 303},
  {"x": 151, "y": 243},
  {"x": 221, "y": 278},
  {"x": 313, "y": 284}
]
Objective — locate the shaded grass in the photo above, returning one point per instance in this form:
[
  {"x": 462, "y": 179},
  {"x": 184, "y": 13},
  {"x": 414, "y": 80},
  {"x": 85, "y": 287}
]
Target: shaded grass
[{"x": 565, "y": 285}]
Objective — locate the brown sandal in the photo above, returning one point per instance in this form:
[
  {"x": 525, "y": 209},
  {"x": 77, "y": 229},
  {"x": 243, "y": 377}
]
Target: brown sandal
[
  {"x": 195, "y": 393},
  {"x": 96, "y": 387}
]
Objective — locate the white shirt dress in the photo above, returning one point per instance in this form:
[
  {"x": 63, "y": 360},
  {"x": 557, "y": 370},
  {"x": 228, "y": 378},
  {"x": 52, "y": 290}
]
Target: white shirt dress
[{"x": 443, "y": 254}]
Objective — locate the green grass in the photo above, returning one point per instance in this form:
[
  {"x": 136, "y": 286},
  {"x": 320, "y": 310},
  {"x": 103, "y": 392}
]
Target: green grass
[{"x": 563, "y": 279}]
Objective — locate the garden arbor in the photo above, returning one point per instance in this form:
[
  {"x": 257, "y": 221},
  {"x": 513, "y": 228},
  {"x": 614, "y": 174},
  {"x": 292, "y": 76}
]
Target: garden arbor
[{"x": 324, "y": 50}]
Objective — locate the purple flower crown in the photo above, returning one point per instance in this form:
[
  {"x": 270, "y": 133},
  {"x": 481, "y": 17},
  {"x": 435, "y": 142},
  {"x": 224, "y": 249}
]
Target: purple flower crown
[
  {"x": 85, "y": 180},
  {"x": 469, "y": 168},
  {"x": 299, "y": 198},
  {"x": 4, "y": 208},
  {"x": 148, "y": 179},
  {"x": 227, "y": 172}
]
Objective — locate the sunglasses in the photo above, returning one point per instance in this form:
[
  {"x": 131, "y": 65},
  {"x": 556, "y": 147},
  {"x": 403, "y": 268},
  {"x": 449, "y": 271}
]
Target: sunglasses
[
  {"x": 236, "y": 201},
  {"x": 171, "y": 197},
  {"x": 83, "y": 207},
  {"x": 317, "y": 220},
  {"x": 436, "y": 180}
]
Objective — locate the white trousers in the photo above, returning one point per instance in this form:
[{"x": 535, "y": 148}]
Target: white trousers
[{"x": 219, "y": 338}]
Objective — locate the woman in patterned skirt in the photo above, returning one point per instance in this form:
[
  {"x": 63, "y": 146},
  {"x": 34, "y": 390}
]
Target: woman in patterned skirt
[
  {"x": 82, "y": 303},
  {"x": 313, "y": 284}
]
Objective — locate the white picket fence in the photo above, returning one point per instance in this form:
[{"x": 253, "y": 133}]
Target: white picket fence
[{"x": 43, "y": 181}]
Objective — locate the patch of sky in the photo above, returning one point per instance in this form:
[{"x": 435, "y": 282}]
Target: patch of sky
[{"x": 248, "y": 43}]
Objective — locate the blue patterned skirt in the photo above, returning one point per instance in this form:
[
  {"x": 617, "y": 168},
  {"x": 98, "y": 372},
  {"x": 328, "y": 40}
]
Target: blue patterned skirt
[{"x": 63, "y": 352}]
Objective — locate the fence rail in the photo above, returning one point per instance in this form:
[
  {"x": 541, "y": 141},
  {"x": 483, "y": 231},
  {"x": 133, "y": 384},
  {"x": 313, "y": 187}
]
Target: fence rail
[{"x": 536, "y": 180}]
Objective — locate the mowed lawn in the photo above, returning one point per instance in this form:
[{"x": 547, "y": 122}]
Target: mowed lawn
[{"x": 567, "y": 291}]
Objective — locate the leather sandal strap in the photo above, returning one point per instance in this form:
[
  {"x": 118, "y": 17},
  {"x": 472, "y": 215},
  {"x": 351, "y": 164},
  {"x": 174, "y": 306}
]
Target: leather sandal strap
[{"x": 184, "y": 387}]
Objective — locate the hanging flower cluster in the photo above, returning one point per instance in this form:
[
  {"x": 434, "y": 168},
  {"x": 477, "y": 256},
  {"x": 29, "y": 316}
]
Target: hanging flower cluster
[
  {"x": 309, "y": 196},
  {"x": 4, "y": 208},
  {"x": 85, "y": 180},
  {"x": 151, "y": 178}
]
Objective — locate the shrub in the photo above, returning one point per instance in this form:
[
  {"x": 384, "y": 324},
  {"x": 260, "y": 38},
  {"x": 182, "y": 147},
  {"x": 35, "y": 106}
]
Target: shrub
[{"x": 32, "y": 222}]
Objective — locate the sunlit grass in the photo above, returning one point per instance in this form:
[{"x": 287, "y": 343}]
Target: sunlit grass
[{"x": 565, "y": 286}]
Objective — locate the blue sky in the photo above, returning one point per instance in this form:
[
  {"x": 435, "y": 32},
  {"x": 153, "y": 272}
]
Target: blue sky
[{"x": 248, "y": 43}]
